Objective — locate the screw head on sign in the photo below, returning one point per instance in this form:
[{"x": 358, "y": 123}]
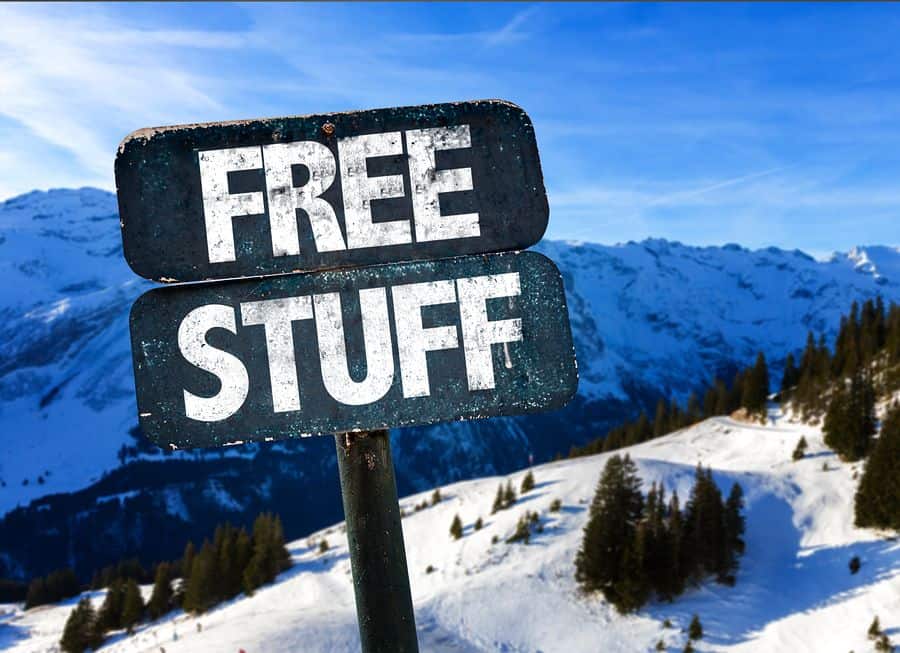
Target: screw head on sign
[{"x": 328, "y": 129}]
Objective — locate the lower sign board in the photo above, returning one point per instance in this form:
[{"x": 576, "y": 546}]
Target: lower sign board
[{"x": 352, "y": 349}]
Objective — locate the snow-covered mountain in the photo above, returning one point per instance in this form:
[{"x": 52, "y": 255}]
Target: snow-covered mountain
[
  {"x": 794, "y": 593},
  {"x": 649, "y": 318}
]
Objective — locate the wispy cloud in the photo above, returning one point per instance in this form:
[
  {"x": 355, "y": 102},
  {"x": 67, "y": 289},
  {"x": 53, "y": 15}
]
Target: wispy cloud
[
  {"x": 514, "y": 29},
  {"x": 658, "y": 120}
]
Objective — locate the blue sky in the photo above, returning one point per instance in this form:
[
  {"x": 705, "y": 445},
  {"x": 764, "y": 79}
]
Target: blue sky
[{"x": 762, "y": 125}]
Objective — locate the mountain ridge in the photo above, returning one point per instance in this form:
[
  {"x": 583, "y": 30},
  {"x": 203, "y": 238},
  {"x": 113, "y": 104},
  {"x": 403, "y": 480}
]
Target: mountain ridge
[{"x": 650, "y": 319}]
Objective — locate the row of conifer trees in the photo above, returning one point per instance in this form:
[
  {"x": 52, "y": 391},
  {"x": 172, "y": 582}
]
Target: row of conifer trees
[
  {"x": 234, "y": 561},
  {"x": 845, "y": 385},
  {"x": 840, "y": 385},
  {"x": 748, "y": 390},
  {"x": 634, "y": 548}
]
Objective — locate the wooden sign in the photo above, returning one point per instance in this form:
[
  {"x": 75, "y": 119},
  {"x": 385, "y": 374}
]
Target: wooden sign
[
  {"x": 259, "y": 197},
  {"x": 342, "y": 350}
]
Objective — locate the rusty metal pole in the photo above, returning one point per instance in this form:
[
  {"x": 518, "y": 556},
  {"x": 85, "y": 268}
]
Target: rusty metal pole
[{"x": 375, "y": 537}]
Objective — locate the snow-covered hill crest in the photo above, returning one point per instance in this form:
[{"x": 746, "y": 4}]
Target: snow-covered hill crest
[
  {"x": 649, "y": 318},
  {"x": 794, "y": 593}
]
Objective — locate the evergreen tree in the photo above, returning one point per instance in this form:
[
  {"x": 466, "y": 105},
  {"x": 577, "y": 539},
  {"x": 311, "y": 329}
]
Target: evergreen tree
[
  {"x": 643, "y": 428},
  {"x": 243, "y": 552},
  {"x": 270, "y": 556},
  {"x": 199, "y": 594},
  {"x": 456, "y": 528},
  {"x": 756, "y": 387},
  {"x": 479, "y": 524},
  {"x": 874, "y": 629},
  {"x": 498, "y": 500},
  {"x": 723, "y": 396},
  {"x": 632, "y": 588},
  {"x": 884, "y": 644},
  {"x": 733, "y": 526},
  {"x": 850, "y": 420},
  {"x": 709, "y": 400},
  {"x": 704, "y": 535},
  {"x": 37, "y": 593},
  {"x": 161, "y": 599},
  {"x": 800, "y": 449},
  {"x": 80, "y": 632},
  {"x": 110, "y": 615},
  {"x": 674, "y": 574},
  {"x": 612, "y": 521},
  {"x": 436, "y": 497},
  {"x": 527, "y": 483},
  {"x": 693, "y": 413},
  {"x": 132, "y": 607},
  {"x": 695, "y": 629},
  {"x": 523, "y": 530},
  {"x": 509, "y": 495},
  {"x": 790, "y": 377},
  {"x": 878, "y": 495},
  {"x": 661, "y": 419},
  {"x": 187, "y": 560}
]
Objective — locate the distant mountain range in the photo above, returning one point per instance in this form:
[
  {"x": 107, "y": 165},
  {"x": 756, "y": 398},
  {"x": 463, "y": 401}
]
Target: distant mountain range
[{"x": 80, "y": 486}]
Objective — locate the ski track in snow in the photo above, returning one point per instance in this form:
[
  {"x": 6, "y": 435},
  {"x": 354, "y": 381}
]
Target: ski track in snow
[{"x": 794, "y": 591}]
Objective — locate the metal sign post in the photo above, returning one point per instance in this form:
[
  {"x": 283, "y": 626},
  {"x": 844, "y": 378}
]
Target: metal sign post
[
  {"x": 367, "y": 273},
  {"x": 375, "y": 539}
]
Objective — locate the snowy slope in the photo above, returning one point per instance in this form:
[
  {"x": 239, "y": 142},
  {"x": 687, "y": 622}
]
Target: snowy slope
[
  {"x": 794, "y": 591},
  {"x": 649, "y": 318}
]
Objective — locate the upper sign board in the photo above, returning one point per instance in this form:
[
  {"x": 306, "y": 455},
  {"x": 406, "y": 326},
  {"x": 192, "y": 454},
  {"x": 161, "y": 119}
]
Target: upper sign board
[
  {"x": 261, "y": 197},
  {"x": 340, "y": 350}
]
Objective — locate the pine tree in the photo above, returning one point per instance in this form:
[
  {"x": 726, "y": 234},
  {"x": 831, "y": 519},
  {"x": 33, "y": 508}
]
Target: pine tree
[
  {"x": 689, "y": 647},
  {"x": 80, "y": 632},
  {"x": 704, "y": 536},
  {"x": 850, "y": 419},
  {"x": 612, "y": 521},
  {"x": 674, "y": 567},
  {"x": 187, "y": 560},
  {"x": 161, "y": 599},
  {"x": 479, "y": 524},
  {"x": 733, "y": 525},
  {"x": 132, "y": 607},
  {"x": 456, "y": 528},
  {"x": 884, "y": 644},
  {"x": 199, "y": 595},
  {"x": 874, "y": 629},
  {"x": 632, "y": 589},
  {"x": 498, "y": 500},
  {"x": 527, "y": 483},
  {"x": 722, "y": 398},
  {"x": 523, "y": 530},
  {"x": 509, "y": 495},
  {"x": 280, "y": 553},
  {"x": 878, "y": 495},
  {"x": 756, "y": 387},
  {"x": 693, "y": 412},
  {"x": 37, "y": 593},
  {"x": 436, "y": 497},
  {"x": 800, "y": 449},
  {"x": 695, "y": 629},
  {"x": 661, "y": 419},
  {"x": 790, "y": 377},
  {"x": 110, "y": 615}
]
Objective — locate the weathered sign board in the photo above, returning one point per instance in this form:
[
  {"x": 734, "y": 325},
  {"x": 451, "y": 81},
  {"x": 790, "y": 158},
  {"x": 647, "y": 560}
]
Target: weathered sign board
[
  {"x": 258, "y": 197},
  {"x": 341, "y": 350},
  {"x": 344, "y": 312}
]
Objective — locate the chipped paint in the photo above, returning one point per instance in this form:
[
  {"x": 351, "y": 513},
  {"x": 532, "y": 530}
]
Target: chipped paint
[
  {"x": 494, "y": 340},
  {"x": 452, "y": 179}
]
